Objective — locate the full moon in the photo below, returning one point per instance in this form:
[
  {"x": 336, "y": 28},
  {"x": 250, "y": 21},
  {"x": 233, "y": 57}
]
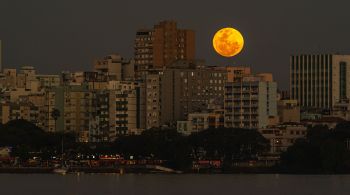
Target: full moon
[{"x": 228, "y": 42}]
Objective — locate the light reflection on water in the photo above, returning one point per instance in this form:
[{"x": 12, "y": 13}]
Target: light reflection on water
[{"x": 100, "y": 184}]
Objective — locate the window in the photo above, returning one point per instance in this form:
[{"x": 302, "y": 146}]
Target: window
[{"x": 342, "y": 80}]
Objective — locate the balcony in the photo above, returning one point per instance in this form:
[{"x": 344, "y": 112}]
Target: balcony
[
  {"x": 121, "y": 102},
  {"x": 121, "y": 109},
  {"x": 121, "y": 115},
  {"x": 121, "y": 122}
]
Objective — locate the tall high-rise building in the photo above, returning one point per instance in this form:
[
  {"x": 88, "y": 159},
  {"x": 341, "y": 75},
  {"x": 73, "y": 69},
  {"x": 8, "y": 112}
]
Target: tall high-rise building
[
  {"x": 99, "y": 128},
  {"x": 151, "y": 81},
  {"x": 163, "y": 45},
  {"x": 318, "y": 81}
]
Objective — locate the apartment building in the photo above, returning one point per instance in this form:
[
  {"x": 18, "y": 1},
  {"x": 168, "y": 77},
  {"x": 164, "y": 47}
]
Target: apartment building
[
  {"x": 197, "y": 122},
  {"x": 250, "y": 101},
  {"x": 163, "y": 45},
  {"x": 187, "y": 88}
]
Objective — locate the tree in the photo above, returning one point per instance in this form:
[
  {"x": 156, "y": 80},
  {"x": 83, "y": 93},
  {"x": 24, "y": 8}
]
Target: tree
[
  {"x": 302, "y": 157},
  {"x": 323, "y": 151},
  {"x": 228, "y": 144},
  {"x": 26, "y": 138}
]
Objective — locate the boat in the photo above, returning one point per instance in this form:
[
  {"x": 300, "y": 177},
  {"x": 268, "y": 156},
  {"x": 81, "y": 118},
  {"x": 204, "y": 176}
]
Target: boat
[{"x": 61, "y": 171}]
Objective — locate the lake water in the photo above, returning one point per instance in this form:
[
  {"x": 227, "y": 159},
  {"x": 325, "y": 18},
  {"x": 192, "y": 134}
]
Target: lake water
[{"x": 101, "y": 184}]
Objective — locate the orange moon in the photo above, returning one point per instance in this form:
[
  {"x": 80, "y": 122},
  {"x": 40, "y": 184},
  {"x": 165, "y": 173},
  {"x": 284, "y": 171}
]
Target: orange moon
[{"x": 228, "y": 42}]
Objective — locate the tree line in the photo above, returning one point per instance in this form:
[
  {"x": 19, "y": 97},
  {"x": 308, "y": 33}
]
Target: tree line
[
  {"x": 226, "y": 144},
  {"x": 323, "y": 150}
]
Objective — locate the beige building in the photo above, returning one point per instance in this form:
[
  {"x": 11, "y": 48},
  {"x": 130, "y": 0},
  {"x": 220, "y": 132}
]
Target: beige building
[
  {"x": 19, "y": 110},
  {"x": 74, "y": 104},
  {"x": 5, "y": 113},
  {"x": 126, "y": 108},
  {"x": 283, "y": 136},
  {"x": 8, "y": 78},
  {"x": 341, "y": 109},
  {"x": 38, "y": 100},
  {"x": 97, "y": 114},
  {"x": 152, "y": 99},
  {"x": 115, "y": 67},
  {"x": 25, "y": 83},
  {"x": 47, "y": 81},
  {"x": 236, "y": 73},
  {"x": 288, "y": 111},
  {"x": 250, "y": 101},
  {"x": 95, "y": 80},
  {"x": 201, "y": 121},
  {"x": 26, "y": 79}
]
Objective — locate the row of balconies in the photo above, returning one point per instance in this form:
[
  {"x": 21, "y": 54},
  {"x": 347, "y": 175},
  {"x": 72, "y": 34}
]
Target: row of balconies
[
  {"x": 242, "y": 125},
  {"x": 235, "y": 106}
]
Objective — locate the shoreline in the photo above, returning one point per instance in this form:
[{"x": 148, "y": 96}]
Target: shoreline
[{"x": 144, "y": 170}]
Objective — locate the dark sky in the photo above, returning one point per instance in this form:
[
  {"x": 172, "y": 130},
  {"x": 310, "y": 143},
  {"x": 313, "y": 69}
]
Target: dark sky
[{"x": 70, "y": 34}]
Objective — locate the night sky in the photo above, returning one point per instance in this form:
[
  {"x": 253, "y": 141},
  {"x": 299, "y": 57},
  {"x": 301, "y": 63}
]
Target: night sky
[{"x": 69, "y": 34}]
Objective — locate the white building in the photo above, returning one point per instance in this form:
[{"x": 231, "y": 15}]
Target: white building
[{"x": 250, "y": 101}]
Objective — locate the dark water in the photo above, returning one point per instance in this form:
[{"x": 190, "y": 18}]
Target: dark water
[{"x": 100, "y": 184}]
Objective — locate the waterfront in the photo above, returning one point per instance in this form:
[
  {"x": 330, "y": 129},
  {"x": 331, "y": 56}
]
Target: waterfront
[{"x": 101, "y": 184}]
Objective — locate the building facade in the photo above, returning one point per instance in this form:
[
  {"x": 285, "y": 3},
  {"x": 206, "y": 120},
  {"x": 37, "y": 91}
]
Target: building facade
[
  {"x": 162, "y": 46},
  {"x": 250, "y": 101},
  {"x": 126, "y": 108},
  {"x": 152, "y": 98},
  {"x": 19, "y": 110},
  {"x": 283, "y": 136},
  {"x": 197, "y": 122},
  {"x": 189, "y": 89},
  {"x": 288, "y": 111},
  {"x": 116, "y": 67},
  {"x": 74, "y": 105},
  {"x": 318, "y": 81}
]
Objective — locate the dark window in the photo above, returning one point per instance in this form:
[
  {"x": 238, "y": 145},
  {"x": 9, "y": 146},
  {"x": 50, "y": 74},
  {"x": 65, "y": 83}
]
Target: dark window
[{"x": 342, "y": 80}]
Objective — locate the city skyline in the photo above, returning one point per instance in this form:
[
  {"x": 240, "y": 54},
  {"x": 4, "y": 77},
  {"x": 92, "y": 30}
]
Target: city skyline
[
  {"x": 232, "y": 97},
  {"x": 67, "y": 36}
]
